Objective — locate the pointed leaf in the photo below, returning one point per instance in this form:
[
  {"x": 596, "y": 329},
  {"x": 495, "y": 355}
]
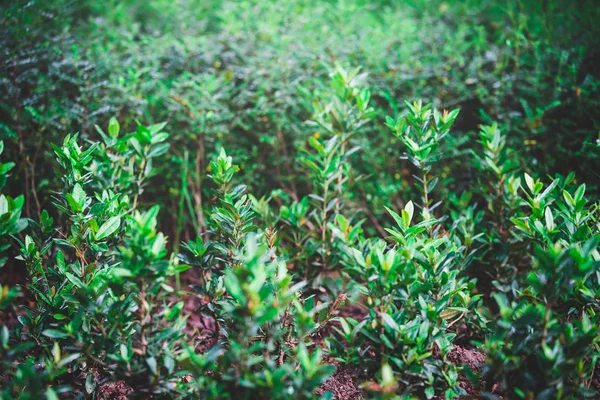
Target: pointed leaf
[{"x": 108, "y": 228}]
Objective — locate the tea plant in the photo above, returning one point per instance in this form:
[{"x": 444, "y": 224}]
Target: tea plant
[
  {"x": 339, "y": 113},
  {"x": 499, "y": 186},
  {"x": 544, "y": 344},
  {"x": 413, "y": 291},
  {"x": 12, "y": 223},
  {"x": 10, "y": 212},
  {"x": 319, "y": 253},
  {"x": 260, "y": 353},
  {"x": 97, "y": 286},
  {"x": 544, "y": 341}
]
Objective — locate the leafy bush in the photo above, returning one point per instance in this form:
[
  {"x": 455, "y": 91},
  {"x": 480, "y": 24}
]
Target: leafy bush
[
  {"x": 260, "y": 218},
  {"x": 541, "y": 349}
]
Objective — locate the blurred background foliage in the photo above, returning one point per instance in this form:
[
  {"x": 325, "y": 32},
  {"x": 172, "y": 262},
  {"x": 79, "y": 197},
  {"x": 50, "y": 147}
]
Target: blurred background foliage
[{"x": 242, "y": 74}]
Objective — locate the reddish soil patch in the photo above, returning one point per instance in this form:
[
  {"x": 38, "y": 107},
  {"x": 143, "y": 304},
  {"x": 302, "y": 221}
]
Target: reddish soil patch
[
  {"x": 114, "y": 391},
  {"x": 341, "y": 385},
  {"x": 472, "y": 358},
  {"x": 350, "y": 310}
]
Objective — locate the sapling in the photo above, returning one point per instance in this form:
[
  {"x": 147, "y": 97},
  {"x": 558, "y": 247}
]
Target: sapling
[
  {"x": 421, "y": 132},
  {"x": 413, "y": 290},
  {"x": 498, "y": 183},
  {"x": 97, "y": 287},
  {"x": 544, "y": 344},
  {"x": 339, "y": 113}
]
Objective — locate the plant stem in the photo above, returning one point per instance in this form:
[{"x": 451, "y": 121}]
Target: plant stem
[
  {"x": 139, "y": 183},
  {"x": 324, "y": 224},
  {"x": 198, "y": 185},
  {"x": 340, "y": 177}
]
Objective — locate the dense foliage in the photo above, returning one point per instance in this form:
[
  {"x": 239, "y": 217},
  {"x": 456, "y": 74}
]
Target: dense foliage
[{"x": 207, "y": 199}]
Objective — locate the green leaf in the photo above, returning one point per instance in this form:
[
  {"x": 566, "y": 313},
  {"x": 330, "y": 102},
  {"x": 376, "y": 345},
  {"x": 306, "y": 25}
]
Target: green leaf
[
  {"x": 579, "y": 193},
  {"x": 409, "y": 209},
  {"x": 269, "y": 315},
  {"x": 56, "y": 353},
  {"x": 108, "y": 228},
  {"x": 5, "y": 336},
  {"x": 124, "y": 351},
  {"x": 90, "y": 385},
  {"x": 113, "y": 128},
  {"x": 158, "y": 150},
  {"x": 79, "y": 196},
  {"x": 397, "y": 218},
  {"x": 429, "y": 392},
  {"x": 568, "y": 198},
  {"x": 530, "y": 182},
  {"x": 3, "y": 205},
  {"x": 387, "y": 375},
  {"x": 67, "y": 360},
  {"x": 55, "y": 334},
  {"x": 158, "y": 244},
  {"x": 159, "y": 137},
  {"x": 51, "y": 394},
  {"x": 389, "y": 321},
  {"x": 232, "y": 284},
  {"x": 345, "y": 327},
  {"x": 549, "y": 219},
  {"x": 154, "y": 129},
  {"x": 151, "y": 361}
]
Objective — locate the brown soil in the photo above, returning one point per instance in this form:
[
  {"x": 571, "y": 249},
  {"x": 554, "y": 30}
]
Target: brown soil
[
  {"x": 460, "y": 356},
  {"x": 341, "y": 385},
  {"x": 115, "y": 391},
  {"x": 472, "y": 359}
]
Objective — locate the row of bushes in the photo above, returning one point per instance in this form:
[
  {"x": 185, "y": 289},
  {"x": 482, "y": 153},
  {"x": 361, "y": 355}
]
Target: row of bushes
[
  {"x": 302, "y": 229},
  {"x": 244, "y": 75},
  {"x": 108, "y": 303}
]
